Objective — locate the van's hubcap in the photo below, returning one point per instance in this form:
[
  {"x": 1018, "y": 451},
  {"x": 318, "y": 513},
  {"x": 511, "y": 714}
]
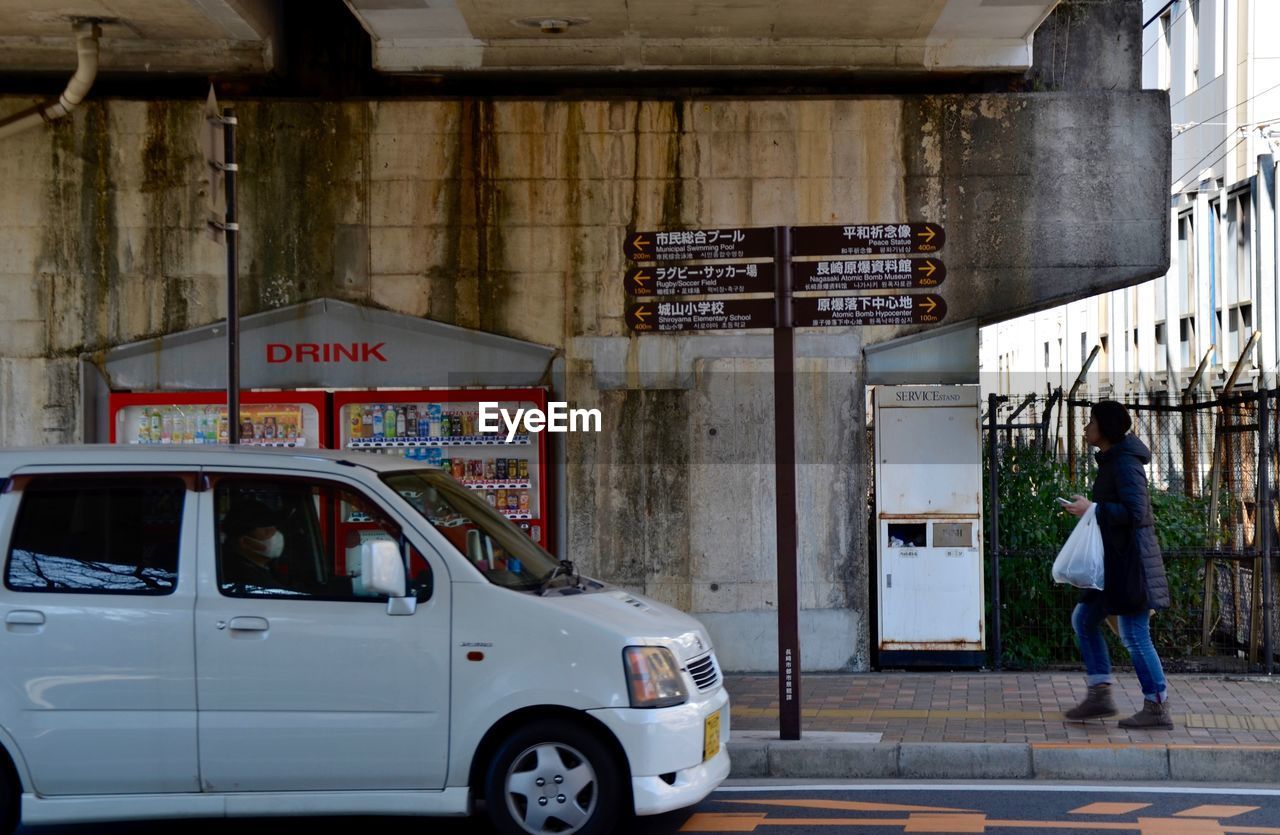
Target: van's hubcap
[{"x": 551, "y": 787}]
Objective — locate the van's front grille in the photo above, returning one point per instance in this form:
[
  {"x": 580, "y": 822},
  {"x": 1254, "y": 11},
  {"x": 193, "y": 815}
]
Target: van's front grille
[{"x": 705, "y": 672}]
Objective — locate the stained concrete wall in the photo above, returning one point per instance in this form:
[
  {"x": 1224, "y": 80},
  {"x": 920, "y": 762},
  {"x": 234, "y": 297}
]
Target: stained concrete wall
[{"x": 509, "y": 217}]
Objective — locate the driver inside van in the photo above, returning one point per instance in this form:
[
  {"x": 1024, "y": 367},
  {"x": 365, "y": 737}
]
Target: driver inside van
[{"x": 251, "y": 547}]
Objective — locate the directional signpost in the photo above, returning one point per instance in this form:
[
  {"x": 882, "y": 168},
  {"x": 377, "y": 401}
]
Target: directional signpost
[
  {"x": 868, "y": 274},
  {"x": 854, "y": 260},
  {"x": 868, "y": 239},
  {"x": 922, "y": 309},
  {"x": 708, "y": 280},
  {"x": 669, "y": 317},
  {"x": 700, "y": 245}
]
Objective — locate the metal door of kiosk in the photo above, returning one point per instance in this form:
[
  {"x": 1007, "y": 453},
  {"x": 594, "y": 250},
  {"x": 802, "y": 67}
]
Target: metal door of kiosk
[{"x": 928, "y": 444}]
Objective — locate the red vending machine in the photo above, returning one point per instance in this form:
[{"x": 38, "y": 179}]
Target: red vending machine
[
  {"x": 441, "y": 428},
  {"x": 267, "y": 418}
]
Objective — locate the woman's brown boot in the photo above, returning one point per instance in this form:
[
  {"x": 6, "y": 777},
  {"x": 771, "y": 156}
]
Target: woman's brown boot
[{"x": 1097, "y": 705}]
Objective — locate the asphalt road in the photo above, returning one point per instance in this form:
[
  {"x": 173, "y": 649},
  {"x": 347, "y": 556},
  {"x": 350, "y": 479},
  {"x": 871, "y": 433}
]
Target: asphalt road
[{"x": 868, "y": 807}]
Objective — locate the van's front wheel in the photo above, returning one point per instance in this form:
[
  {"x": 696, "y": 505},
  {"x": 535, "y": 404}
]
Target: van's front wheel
[{"x": 553, "y": 777}]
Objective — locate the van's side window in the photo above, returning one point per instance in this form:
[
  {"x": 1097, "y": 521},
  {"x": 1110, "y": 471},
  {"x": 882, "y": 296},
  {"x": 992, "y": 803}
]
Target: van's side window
[
  {"x": 294, "y": 538},
  {"x": 97, "y": 535}
]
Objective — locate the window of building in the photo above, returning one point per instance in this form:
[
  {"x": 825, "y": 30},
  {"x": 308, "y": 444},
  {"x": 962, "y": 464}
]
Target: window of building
[
  {"x": 1193, "y": 45},
  {"x": 1084, "y": 348},
  {"x": 298, "y": 539},
  {"x": 1188, "y": 355},
  {"x": 1220, "y": 29},
  {"x": 1162, "y": 347},
  {"x": 1164, "y": 53},
  {"x": 1187, "y": 266},
  {"x": 1046, "y": 355},
  {"x": 1238, "y": 249},
  {"x": 97, "y": 535}
]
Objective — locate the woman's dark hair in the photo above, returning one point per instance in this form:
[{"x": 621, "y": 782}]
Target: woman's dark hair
[{"x": 1112, "y": 419}]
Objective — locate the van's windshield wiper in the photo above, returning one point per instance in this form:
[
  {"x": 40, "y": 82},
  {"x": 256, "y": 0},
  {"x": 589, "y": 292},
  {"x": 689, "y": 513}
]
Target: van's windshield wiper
[{"x": 564, "y": 569}]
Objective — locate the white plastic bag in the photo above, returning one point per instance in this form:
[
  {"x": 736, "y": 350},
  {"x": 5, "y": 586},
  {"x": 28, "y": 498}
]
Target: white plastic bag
[{"x": 1079, "y": 563}]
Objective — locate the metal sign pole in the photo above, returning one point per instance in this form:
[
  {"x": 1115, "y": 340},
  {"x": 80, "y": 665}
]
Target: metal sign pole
[
  {"x": 784, "y": 390},
  {"x": 233, "y": 278}
]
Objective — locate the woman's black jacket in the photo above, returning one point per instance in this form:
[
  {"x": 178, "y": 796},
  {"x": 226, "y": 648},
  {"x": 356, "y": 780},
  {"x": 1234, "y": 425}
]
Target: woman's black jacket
[{"x": 1134, "y": 570}]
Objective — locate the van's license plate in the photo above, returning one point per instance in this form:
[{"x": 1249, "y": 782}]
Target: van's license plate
[{"x": 711, "y": 736}]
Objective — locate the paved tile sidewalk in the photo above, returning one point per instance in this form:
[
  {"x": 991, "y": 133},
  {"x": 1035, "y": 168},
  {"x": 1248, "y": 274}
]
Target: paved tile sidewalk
[{"x": 1011, "y": 707}]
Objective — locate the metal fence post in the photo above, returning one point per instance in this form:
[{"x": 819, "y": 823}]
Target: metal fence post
[
  {"x": 993, "y": 490},
  {"x": 1265, "y": 521}
]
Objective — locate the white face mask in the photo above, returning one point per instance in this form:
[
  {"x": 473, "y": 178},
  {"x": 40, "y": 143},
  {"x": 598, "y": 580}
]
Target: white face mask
[{"x": 271, "y": 547}]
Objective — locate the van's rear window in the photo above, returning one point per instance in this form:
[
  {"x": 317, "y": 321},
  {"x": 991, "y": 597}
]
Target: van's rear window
[{"x": 97, "y": 536}]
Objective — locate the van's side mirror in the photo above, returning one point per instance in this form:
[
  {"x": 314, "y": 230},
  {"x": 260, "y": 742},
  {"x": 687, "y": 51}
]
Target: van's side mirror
[{"x": 382, "y": 568}]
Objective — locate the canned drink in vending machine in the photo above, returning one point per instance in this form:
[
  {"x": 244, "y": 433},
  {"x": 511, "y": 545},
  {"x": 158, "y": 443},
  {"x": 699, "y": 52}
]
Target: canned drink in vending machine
[{"x": 524, "y": 469}]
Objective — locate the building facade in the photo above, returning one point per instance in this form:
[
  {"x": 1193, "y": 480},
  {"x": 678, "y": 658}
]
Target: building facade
[
  {"x": 506, "y": 214},
  {"x": 1220, "y": 63}
]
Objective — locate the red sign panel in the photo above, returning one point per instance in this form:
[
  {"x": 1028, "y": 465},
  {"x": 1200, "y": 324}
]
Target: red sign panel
[
  {"x": 671, "y": 317},
  {"x": 839, "y": 311}
]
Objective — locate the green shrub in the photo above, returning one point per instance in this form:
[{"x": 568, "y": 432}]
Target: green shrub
[{"x": 1035, "y": 612}]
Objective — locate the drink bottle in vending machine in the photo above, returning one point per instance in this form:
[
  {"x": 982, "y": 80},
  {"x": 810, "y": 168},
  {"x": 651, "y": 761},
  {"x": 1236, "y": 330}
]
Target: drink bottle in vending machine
[{"x": 441, "y": 428}]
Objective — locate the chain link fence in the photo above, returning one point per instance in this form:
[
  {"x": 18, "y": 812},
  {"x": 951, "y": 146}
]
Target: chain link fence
[{"x": 1211, "y": 471}]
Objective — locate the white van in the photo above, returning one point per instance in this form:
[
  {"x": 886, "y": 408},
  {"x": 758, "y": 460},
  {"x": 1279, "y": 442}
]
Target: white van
[{"x": 220, "y": 632}]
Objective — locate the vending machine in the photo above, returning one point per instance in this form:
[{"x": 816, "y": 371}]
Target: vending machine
[
  {"x": 267, "y": 418},
  {"x": 441, "y": 428}
]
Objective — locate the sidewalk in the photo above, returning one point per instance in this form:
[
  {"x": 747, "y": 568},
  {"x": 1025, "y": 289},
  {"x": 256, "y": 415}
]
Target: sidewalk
[{"x": 989, "y": 725}]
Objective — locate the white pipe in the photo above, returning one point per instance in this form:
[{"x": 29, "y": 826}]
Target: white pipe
[{"x": 87, "y": 35}]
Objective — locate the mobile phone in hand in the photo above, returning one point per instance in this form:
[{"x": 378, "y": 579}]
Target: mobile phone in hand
[{"x": 1063, "y": 501}]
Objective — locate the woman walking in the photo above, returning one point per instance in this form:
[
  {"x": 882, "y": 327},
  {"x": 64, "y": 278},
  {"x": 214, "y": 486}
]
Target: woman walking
[{"x": 1134, "y": 579}]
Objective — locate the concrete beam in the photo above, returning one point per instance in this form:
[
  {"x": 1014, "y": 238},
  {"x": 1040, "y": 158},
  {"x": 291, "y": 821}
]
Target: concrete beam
[{"x": 135, "y": 55}]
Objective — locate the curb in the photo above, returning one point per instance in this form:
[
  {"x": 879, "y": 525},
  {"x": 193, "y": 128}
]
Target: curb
[{"x": 833, "y": 759}]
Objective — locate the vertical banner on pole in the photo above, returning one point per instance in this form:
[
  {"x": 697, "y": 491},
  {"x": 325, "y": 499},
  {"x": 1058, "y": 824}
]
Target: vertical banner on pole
[{"x": 784, "y": 392}]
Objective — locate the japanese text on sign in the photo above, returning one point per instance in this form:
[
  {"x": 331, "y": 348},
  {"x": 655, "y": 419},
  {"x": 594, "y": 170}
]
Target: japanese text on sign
[
  {"x": 660, "y": 317},
  {"x": 700, "y": 245},
  {"x": 870, "y": 274},
  {"x": 709, "y": 280},
  {"x": 867, "y": 239},
  {"x": 890, "y": 309}
]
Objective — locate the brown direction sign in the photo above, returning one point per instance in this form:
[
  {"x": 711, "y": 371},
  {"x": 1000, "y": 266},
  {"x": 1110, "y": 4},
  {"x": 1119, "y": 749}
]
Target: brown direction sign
[
  {"x": 708, "y": 280},
  {"x": 868, "y": 274},
  {"x": 867, "y": 239},
  {"x": 700, "y": 244},
  {"x": 731, "y": 314},
  {"x": 837, "y": 311}
]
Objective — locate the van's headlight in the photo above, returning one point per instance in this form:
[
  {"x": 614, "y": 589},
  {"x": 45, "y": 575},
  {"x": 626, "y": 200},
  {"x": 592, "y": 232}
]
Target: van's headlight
[{"x": 653, "y": 677}]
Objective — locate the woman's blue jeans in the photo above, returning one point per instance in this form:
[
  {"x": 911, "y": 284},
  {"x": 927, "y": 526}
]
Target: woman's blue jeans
[{"x": 1135, "y": 634}]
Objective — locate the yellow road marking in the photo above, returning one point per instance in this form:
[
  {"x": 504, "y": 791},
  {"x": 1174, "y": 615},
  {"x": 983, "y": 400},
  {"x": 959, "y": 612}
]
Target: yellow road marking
[
  {"x": 962, "y": 822},
  {"x": 1210, "y": 811},
  {"x": 1108, "y": 808},
  {"x": 974, "y": 822},
  {"x": 847, "y": 805}
]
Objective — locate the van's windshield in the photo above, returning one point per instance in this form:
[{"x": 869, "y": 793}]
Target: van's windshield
[{"x": 489, "y": 541}]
